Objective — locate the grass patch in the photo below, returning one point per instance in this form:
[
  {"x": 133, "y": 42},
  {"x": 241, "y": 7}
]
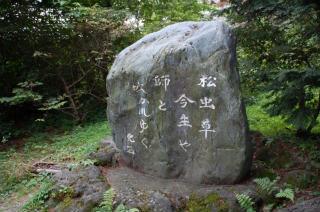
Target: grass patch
[
  {"x": 37, "y": 200},
  {"x": 260, "y": 121},
  {"x": 68, "y": 147},
  {"x": 273, "y": 126}
]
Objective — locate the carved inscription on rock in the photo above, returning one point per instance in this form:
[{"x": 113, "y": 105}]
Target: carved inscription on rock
[{"x": 175, "y": 108}]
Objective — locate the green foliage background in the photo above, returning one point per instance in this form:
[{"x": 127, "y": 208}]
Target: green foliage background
[
  {"x": 279, "y": 49},
  {"x": 55, "y": 55}
]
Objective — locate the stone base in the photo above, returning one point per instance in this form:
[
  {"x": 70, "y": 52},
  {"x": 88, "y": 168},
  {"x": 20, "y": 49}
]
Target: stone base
[
  {"x": 150, "y": 193},
  {"x": 86, "y": 186}
]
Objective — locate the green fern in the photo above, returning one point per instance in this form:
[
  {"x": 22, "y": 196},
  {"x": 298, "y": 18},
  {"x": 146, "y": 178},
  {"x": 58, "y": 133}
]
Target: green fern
[
  {"x": 133, "y": 210},
  {"x": 107, "y": 203},
  {"x": 265, "y": 185},
  {"x": 245, "y": 202},
  {"x": 287, "y": 193},
  {"x": 123, "y": 208}
]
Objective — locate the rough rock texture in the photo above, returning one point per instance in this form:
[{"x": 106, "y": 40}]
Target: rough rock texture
[
  {"x": 312, "y": 205},
  {"x": 106, "y": 154},
  {"x": 149, "y": 193},
  {"x": 175, "y": 108},
  {"x": 79, "y": 190}
]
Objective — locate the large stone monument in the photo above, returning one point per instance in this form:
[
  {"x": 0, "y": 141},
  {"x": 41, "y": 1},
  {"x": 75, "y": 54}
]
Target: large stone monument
[{"x": 175, "y": 108}]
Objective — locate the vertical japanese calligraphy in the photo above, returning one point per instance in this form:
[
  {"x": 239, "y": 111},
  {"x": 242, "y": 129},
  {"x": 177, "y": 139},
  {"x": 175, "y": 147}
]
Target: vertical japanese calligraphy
[{"x": 182, "y": 101}]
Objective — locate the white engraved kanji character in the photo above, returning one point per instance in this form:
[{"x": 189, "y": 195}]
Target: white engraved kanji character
[
  {"x": 166, "y": 81},
  {"x": 184, "y": 121},
  {"x": 144, "y": 142},
  {"x": 184, "y": 145},
  {"x": 142, "y": 109},
  {"x": 183, "y": 100},
  {"x": 205, "y": 124},
  {"x": 138, "y": 88},
  {"x": 143, "y": 126},
  {"x": 205, "y": 103},
  {"x": 143, "y": 101},
  {"x": 130, "y": 138},
  {"x": 207, "y": 81},
  {"x": 130, "y": 150},
  {"x": 157, "y": 81},
  {"x": 163, "y": 80},
  {"x": 162, "y": 106}
]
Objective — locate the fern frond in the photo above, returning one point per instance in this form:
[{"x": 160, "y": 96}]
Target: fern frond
[
  {"x": 107, "y": 202},
  {"x": 287, "y": 193},
  {"x": 265, "y": 185},
  {"x": 245, "y": 202},
  {"x": 121, "y": 208}
]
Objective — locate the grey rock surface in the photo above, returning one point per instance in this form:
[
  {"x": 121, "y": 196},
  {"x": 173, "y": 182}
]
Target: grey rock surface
[
  {"x": 150, "y": 193},
  {"x": 106, "y": 154},
  {"x": 79, "y": 190},
  {"x": 312, "y": 205},
  {"x": 175, "y": 107}
]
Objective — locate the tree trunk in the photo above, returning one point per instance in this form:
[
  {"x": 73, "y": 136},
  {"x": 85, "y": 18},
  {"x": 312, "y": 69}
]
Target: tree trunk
[
  {"x": 302, "y": 133},
  {"x": 76, "y": 114}
]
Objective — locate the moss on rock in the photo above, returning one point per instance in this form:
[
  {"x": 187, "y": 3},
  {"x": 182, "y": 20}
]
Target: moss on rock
[{"x": 207, "y": 204}]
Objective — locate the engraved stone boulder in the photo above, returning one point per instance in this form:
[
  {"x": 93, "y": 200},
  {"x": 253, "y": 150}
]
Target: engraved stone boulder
[{"x": 175, "y": 108}]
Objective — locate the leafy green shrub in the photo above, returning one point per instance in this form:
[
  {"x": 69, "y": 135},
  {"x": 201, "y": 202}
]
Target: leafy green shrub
[
  {"x": 287, "y": 65},
  {"x": 296, "y": 98},
  {"x": 54, "y": 59}
]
